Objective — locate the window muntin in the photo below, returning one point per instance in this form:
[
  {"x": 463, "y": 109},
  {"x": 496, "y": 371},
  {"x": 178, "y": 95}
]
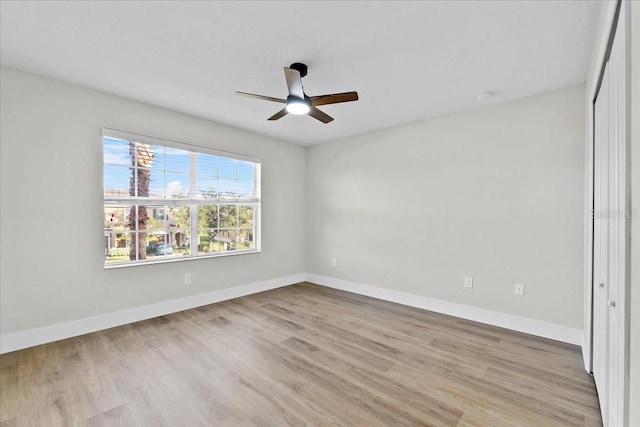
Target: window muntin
[{"x": 170, "y": 201}]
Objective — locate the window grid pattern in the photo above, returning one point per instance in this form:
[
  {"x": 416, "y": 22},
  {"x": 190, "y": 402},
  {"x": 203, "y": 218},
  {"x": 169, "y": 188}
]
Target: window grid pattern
[{"x": 170, "y": 203}]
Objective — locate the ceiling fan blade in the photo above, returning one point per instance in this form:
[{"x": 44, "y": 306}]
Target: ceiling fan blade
[
  {"x": 266, "y": 98},
  {"x": 334, "y": 98},
  {"x": 294, "y": 82},
  {"x": 319, "y": 115},
  {"x": 280, "y": 114}
]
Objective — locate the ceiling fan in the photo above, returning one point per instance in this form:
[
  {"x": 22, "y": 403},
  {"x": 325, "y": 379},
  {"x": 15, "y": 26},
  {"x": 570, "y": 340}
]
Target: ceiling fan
[{"x": 298, "y": 102}]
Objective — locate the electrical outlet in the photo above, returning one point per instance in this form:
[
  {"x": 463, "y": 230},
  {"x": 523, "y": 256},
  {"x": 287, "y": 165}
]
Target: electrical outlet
[
  {"x": 334, "y": 262},
  {"x": 519, "y": 289},
  {"x": 468, "y": 282},
  {"x": 187, "y": 279}
]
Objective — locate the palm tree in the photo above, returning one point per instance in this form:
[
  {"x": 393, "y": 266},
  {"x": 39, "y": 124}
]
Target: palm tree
[{"x": 142, "y": 157}]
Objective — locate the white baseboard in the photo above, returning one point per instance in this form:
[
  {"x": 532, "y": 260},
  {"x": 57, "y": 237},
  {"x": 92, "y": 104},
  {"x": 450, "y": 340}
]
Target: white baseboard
[
  {"x": 59, "y": 331},
  {"x": 503, "y": 320}
]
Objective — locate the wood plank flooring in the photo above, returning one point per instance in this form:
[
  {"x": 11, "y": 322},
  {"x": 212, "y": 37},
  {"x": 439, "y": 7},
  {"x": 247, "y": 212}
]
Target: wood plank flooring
[{"x": 299, "y": 355}]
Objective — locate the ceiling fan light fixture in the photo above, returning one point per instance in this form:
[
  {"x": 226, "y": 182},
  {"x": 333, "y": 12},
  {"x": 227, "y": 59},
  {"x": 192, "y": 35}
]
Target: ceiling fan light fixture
[
  {"x": 298, "y": 102},
  {"x": 297, "y": 106}
]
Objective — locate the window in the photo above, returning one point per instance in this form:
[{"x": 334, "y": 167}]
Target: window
[{"x": 166, "y": 201}]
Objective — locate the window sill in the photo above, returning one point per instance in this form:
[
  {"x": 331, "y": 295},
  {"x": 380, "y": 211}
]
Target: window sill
[{"x": 176, "y": 259}]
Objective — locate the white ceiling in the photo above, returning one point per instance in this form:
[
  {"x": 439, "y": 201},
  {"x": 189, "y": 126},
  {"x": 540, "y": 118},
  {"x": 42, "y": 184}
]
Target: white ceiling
[{"x": 407, "y": 60}]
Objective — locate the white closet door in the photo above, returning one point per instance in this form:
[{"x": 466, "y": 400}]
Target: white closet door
[
  {"x": 617, "y": 232},
  {"x": 610, "y": 237},
  {"x": 600, "y": 244}
]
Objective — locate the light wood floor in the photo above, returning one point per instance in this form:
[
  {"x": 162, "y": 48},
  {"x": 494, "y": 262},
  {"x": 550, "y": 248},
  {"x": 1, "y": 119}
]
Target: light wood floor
[{"x": 300, "y": 355}]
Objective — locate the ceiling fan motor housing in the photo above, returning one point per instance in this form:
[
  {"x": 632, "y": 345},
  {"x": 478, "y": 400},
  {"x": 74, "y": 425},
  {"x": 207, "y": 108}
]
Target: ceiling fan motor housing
[{"x": 300, "y": 67}]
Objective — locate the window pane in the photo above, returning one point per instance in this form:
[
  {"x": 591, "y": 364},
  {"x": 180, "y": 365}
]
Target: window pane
[
  {"x": 159, "y": 248},
  {"x": 227, "y": 187},
  {"x": 179, "y": 217},
  {"x": 246, "y": 189},
  {"x": 207, "y": 164},
  {"x": 116, "y": 234},
  {"x": 207, "y": 187},
  {"x": 246, "y": 214},
  {"x": 143, "y": 181},
  {"x": 158, "y": 157},
  {"x": 156, "y": 222},
  {"x": 156, "y": 184},
  {"x": 147, "y": 230},
  {"x": 177, "y": 160},
  {"x": 168, "y": 230},
  {"x": 245, "y": 171},
  {"x": 116, "y": 218},
  {"x": 144, "y": 155},
  {"x": 167, "y": 243},
  {"x": 119, "y": 237},
  {"x": 227, "y": 239},
  {"x": 116, "y": 181},
  {"x": 116, "y": 152},
  {"x": 117, "y": 247},
  {"x": 228, "y": 216},
  {"x": 227, "y": 167},
  {"x": 181, "y": 240},
  {"x": 207, "y": 241},
  {"x": 177, "y": 185},
  {"x": 208, "y": 216},
  {"x": 155, "y": 238},
  {"x": 245, "y": 239}
]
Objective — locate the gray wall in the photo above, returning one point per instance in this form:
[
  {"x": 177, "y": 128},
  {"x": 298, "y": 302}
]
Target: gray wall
[
  {"x": 51, "y": 205},
  {"x": 495, "y": 193}
]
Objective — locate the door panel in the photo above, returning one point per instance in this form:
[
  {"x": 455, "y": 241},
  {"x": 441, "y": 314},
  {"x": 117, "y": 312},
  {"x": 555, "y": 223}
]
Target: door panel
[
  {"x": 610, "y": 345},
  {"x": 617, "y": 232}
]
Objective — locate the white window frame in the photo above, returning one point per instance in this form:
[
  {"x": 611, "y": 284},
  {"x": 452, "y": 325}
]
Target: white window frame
[{"x": 193, "y": 202}]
